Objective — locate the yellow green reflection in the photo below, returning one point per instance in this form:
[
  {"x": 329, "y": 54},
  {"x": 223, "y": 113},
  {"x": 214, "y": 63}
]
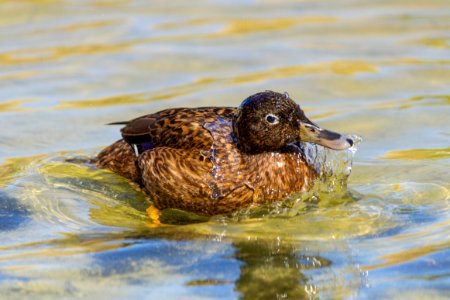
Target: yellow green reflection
[
  {"x": 408, "y": 255},
  {"x": 255, "y": 25},
  {"x": 88, "y": 25},
  {"x": 436, "y": 42},
  {"x": 12, "y": 167},
  {"x": 418, "y": 154},
  {"x": 427, "y": 100},
  {"x": 130, "y": 99},
  {"x": 345, "y": 68},
  {"x": 14, "y": 105},
  {"x": 39, "y": 55}
]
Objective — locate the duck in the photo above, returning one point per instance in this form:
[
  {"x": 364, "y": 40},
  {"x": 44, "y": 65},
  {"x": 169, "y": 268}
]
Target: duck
[{"x": 217, "y": 160}]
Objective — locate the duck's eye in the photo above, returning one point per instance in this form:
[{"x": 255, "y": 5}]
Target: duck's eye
[{"x": 272, "y": 119}]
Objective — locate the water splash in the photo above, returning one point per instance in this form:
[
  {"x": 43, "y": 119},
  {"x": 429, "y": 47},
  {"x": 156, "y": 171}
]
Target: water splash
[
  {"x": 330, "y": 188},
  {"x": 333, "y": 167}
]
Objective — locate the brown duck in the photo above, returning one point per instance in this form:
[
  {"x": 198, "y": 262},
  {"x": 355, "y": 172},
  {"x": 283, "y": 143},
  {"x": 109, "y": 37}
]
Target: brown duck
[{"x": 215, "y": 160}]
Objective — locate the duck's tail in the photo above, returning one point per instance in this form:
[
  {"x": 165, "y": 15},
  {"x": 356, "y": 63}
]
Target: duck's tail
[{"x": 119, "y": 123}]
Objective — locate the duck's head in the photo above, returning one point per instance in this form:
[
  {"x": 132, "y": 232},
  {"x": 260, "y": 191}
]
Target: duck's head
[{"x": 269, "y": 121}]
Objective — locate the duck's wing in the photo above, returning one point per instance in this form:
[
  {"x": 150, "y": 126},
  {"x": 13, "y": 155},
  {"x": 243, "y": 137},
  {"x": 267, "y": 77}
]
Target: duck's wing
[{"x": 181, "y": 128}]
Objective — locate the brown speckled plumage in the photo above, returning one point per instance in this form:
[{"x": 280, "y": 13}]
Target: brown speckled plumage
[{"x": 216, "y": 160}]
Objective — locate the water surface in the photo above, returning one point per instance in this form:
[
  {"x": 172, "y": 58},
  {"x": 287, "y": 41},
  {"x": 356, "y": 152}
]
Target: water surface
[{"x": 379, "y": 69}]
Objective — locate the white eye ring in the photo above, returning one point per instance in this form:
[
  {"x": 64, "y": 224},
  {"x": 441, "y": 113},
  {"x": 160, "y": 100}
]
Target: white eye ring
[{"x": 272, "y": 119}]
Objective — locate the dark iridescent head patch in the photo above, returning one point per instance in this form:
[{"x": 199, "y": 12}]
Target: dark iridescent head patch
[
  {"x": 147, "y": 146},
  {"x": 139, "y": 148}
]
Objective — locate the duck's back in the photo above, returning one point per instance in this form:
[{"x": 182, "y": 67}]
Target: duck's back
[{"x": 179, "y": 128}]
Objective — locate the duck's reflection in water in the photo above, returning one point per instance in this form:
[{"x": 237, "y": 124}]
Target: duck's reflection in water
[
  {"x": 272, "y": 269},
  {"x": 174, "y": 260}
]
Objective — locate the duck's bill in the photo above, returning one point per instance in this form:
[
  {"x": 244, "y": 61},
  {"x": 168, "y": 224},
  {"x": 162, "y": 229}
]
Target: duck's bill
[{"x": 310, "y": 132}]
